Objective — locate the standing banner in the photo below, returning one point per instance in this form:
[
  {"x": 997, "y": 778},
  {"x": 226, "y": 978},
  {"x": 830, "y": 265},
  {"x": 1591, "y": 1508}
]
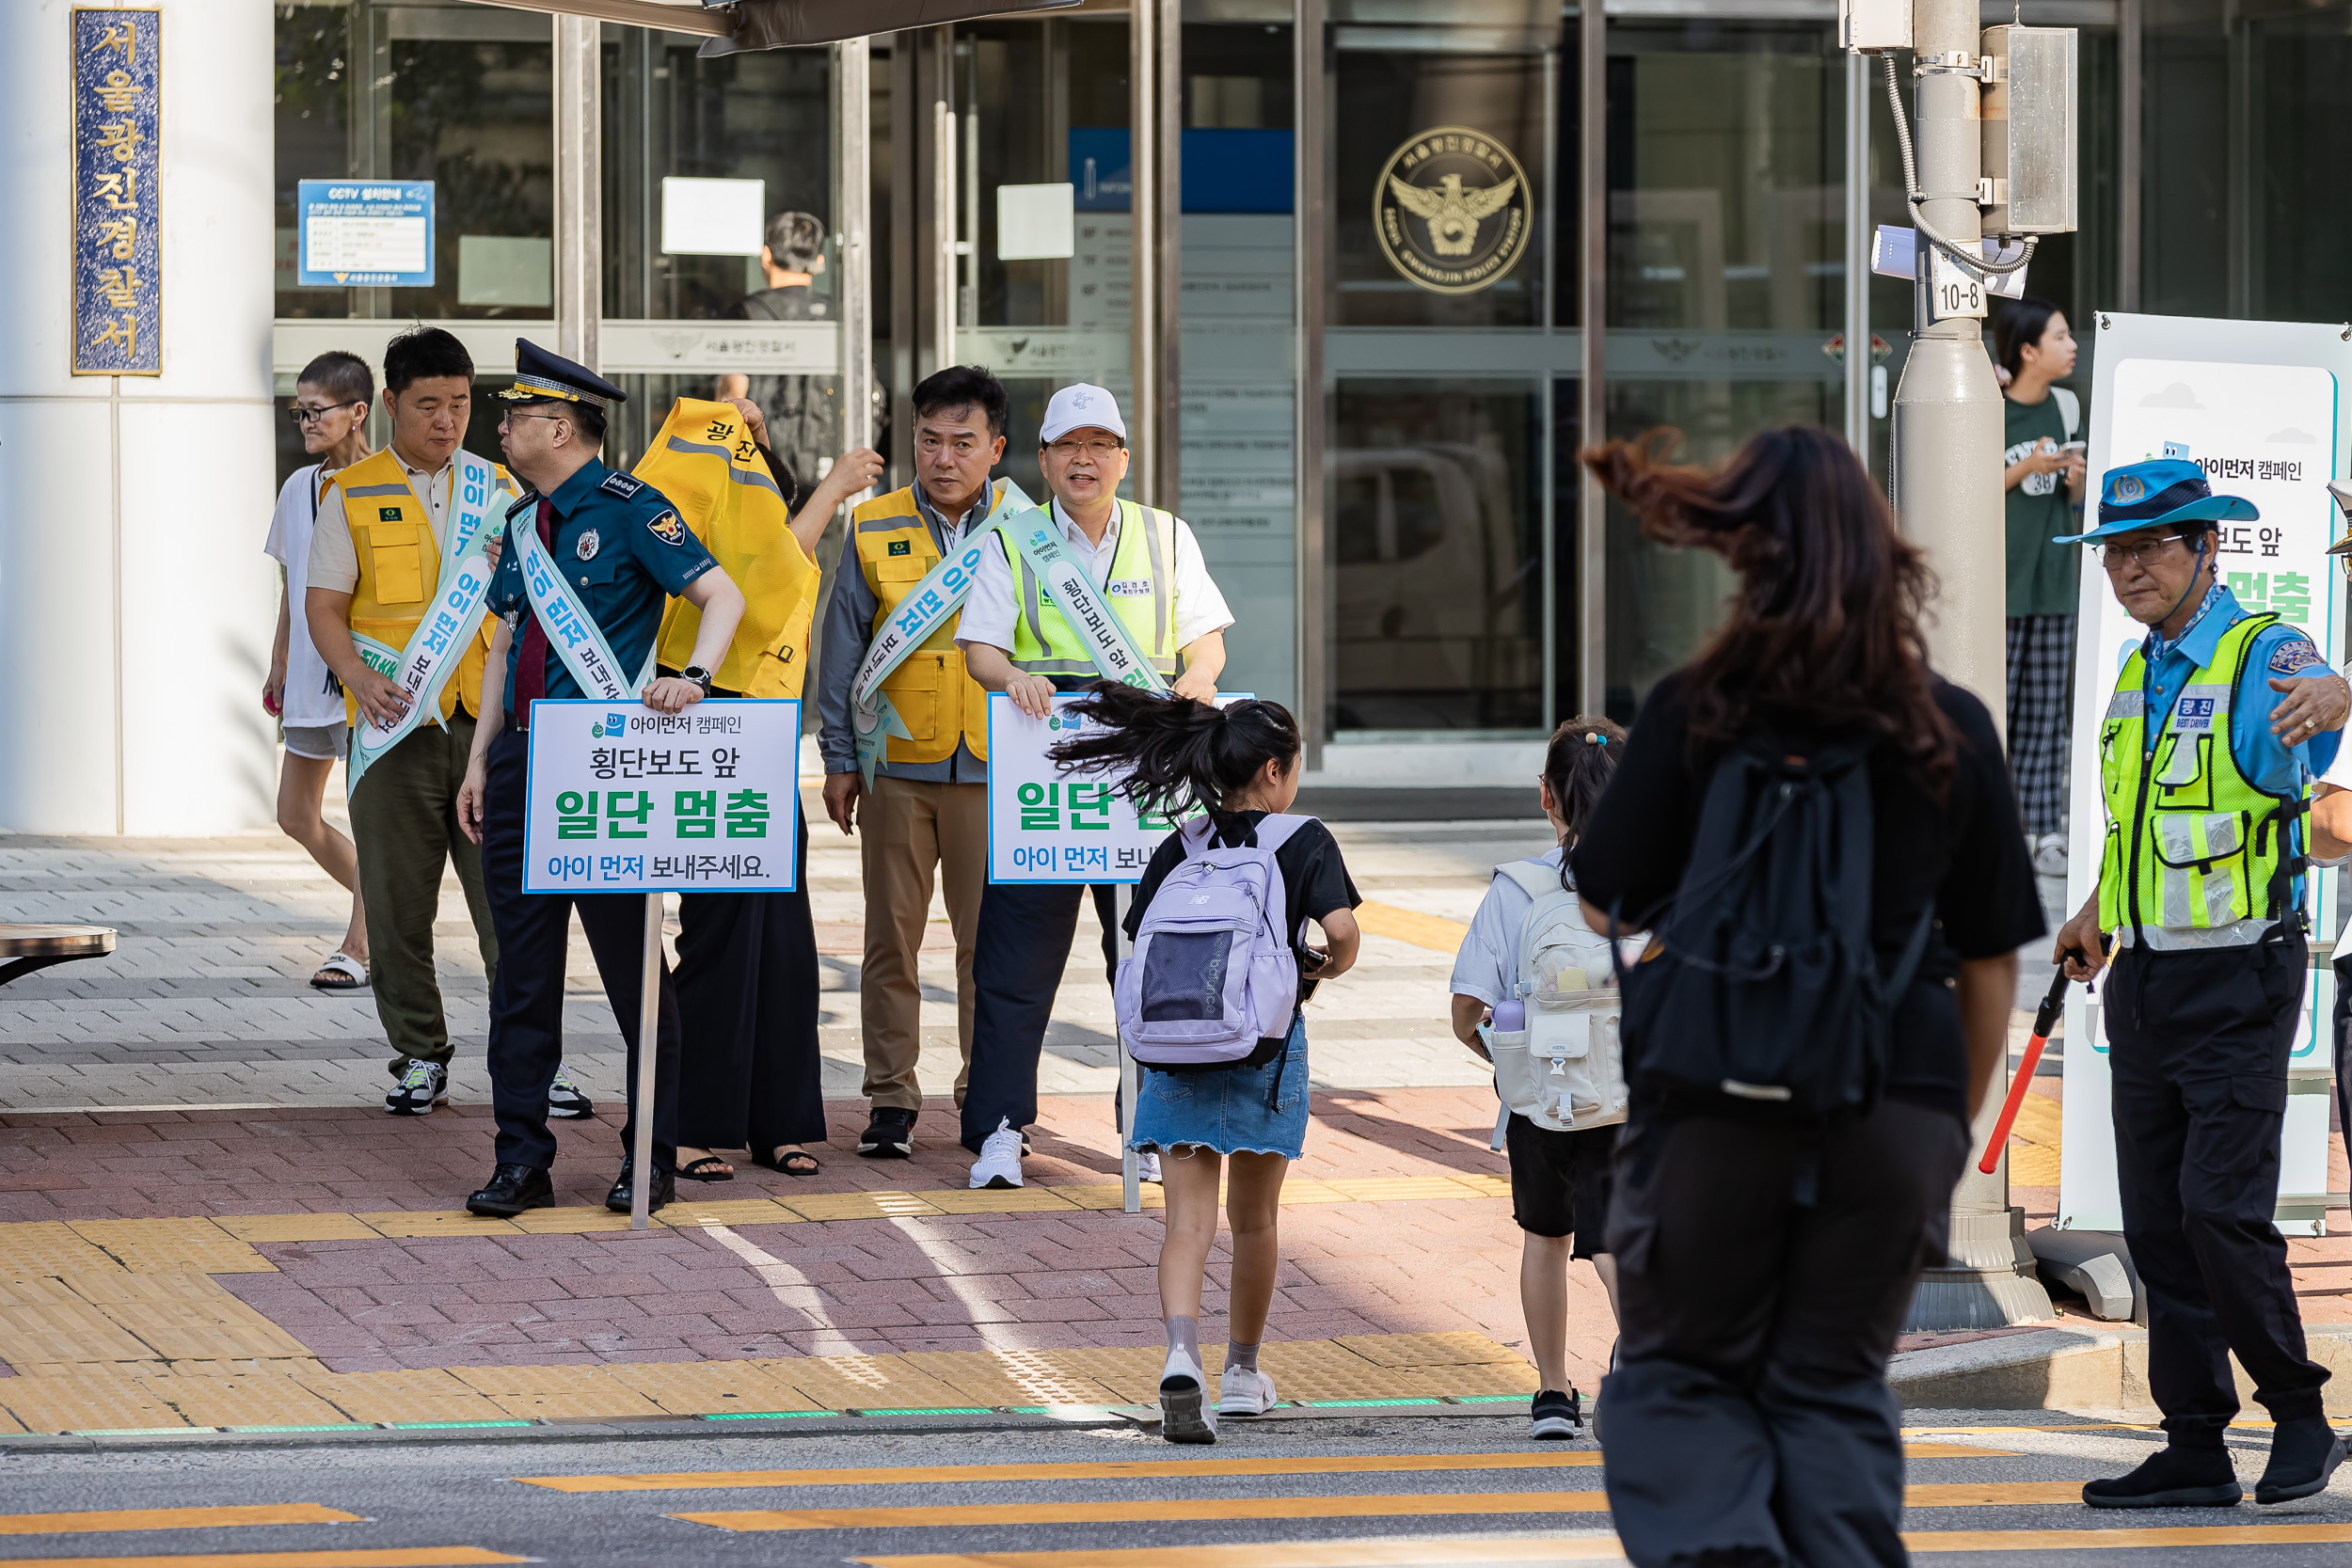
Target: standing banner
[
  {"x": 2260, "y": 406},
  {"x": 1044, "y": 826},
  {"x": 620, "y": 799}
]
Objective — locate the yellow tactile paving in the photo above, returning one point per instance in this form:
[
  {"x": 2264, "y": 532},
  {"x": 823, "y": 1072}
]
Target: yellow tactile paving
[
  {"x": 860, "y": 1383},
  {"x": 1421, "y": 930},
  {"x": 297, "y": 1228},
  {"x": 2036, "y": 1140},
  {"x": 172, "y": 1246},
  {"x": 240, "y": 1395},
  {"x": 857, "y": 1206},
  {"x": 1011, "y": 1377},
  {"x": 435, "y": 1222},
  {"x": 1095, "y": 1194},
  {"x": 577, "y": 1221},
  {"x": 556, "y": 1393},
  {"x": 1019, "y": 1200},
  {"x": 421, "y": 1395},
  {"x": 708, "y": 1388},
  {"x": 101, "y": 1521},
  {"x": 33, "y": 1247},
  {"x": 1427, "y": 1350},
  {"x": 689, "y": 1212},
  {"x": 65, "y": 1331},
  {"x": 88, "y": 1399}
]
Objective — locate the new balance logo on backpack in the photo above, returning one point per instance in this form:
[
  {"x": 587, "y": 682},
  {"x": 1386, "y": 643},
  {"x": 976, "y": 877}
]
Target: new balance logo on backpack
[{"x": 1213, "y": 973}]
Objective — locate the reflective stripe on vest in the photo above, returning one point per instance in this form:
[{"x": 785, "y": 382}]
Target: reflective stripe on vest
[
  {"x": 936, "y": 700},
  {"x": 1042, "y": 642},
  {"x": 2192, "y": 843},
  {"x": 399, "y": 555}
]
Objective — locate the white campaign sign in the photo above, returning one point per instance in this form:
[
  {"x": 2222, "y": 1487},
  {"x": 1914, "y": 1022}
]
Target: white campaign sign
[
  {"x": 1044, "y": 826},
  {"x": 2258, "y": 404},
  {"x": 621, "y": 798}
]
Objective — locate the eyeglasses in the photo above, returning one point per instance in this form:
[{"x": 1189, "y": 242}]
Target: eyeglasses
[
  {"x": 306, "y": 415},
  {"x": 1100, "y": 451},
  {"x": 2143, "y": 552},
  {"x": 551, "y": 418}
]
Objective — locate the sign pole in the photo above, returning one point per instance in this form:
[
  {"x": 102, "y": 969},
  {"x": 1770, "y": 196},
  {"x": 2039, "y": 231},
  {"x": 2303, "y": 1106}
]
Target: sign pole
[
  {"x": 648, "y": 1037},
  {"x": 1130, "y": 1180}
]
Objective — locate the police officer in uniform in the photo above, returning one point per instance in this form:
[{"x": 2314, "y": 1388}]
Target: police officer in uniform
[
  {"x": 2204, "y": 770},
  {"x": 623, "y": 550},
  {"x": 1149, "y": 570}
]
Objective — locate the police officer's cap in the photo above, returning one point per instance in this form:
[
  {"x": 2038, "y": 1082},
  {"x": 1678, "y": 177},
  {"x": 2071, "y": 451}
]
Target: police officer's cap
[
  {"x": 2161, "y": 490},
  {"x": 544, "y": 377}
]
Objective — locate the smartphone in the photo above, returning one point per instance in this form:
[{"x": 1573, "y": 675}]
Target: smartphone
[{"x": 2075, "y": 446}]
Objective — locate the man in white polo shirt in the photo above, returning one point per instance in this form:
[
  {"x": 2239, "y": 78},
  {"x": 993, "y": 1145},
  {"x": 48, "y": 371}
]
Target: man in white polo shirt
[{"x": 1015, "y": 641}]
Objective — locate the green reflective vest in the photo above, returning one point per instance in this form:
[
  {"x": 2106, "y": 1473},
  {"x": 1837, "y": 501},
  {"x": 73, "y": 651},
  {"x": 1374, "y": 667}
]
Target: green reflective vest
[
  {"x": 1141, "y": 591},
  {"x": 2192, "y": 843}
]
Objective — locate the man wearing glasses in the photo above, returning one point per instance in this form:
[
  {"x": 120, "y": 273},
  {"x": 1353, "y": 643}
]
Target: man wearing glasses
[
  {"x": 1149, "y": 568},
  {"x": 330, "y": 410},
  {"x": 2219, "y": 722}
]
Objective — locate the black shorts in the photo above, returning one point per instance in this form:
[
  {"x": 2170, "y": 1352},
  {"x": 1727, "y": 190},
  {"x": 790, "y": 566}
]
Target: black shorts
[{"x": 1560, "y": 1181}]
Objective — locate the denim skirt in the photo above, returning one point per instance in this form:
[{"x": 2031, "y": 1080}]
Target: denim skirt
[{"x": 1234, "y": 1110}]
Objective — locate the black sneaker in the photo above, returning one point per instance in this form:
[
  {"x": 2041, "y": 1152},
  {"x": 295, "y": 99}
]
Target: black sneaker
[
  {"x": 2172, "y": 1477},
  {"x": 1556, "y": 1414},
  {"x": 2303, "y": 1454},
  {"x": 565, "y": 1100},
  {"x": 889, "y": 1135}
]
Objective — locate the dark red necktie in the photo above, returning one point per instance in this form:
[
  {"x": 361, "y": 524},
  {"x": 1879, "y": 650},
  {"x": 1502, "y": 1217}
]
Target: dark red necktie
[{"x": 530, "y": 667}]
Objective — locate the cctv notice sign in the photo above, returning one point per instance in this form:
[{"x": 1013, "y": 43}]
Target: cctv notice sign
[
  {"x": 2259, "y": 405},
  {"x": 620, "y": 799}
]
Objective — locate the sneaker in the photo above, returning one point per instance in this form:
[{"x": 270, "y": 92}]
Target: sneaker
[
  {"x": 2303, "y": 1454},
  {"x": 422, "y": 1086},
  {"x": 564, "y": 1100},
  {"x": 1183, "y": 1418},
  {"x": 2049, "y": 855},
  {"x": 1247, "y": 1392},
  {"x": 1148, "y": 1167},
  {"x": 2170, "y": 1478},
  {"x": 889, "y": 1135},
  {"x": 999, "y": 1165},
  {"x": 1556, "y": 1414}
]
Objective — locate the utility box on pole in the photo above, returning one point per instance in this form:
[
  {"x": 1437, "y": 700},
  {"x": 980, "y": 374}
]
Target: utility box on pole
[{"x": 1988, "y": 147}]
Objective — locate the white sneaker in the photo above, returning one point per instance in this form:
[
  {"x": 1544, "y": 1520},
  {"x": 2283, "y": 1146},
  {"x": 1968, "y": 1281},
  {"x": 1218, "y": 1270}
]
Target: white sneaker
[
  {"x": 1183, "y": 1418},
  {"x": 422, "y": 1086},
  {"x": 2049, "y": 855},
  {"x": 1148, "y": 1167},
  {"x": 999, "y": 1165},
  {"x": 1245, "y": 1393}
]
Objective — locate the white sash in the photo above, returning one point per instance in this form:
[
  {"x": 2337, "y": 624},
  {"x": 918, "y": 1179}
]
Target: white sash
[
  {"x": 571, "y": 631},
  {"x": 1066, "y": 583},
  {"x": 451, "y": 622}
]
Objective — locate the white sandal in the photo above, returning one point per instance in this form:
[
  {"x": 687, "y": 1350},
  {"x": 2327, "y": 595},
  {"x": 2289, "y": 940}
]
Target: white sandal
[{"x": 354, "y": 975}]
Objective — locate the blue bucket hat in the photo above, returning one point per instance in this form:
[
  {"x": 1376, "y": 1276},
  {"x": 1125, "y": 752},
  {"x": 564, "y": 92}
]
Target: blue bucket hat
[{"x": 2161, "y": 490}]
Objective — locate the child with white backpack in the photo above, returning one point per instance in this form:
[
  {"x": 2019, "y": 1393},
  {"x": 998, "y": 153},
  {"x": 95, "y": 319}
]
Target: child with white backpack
[
  {"x": 1536, "y": 994},
  {"x": 1209, "y": 1003}
]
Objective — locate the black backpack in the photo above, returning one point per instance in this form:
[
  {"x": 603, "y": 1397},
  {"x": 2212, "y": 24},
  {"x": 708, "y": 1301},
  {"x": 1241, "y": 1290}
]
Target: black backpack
[{"x": 1760, "y": 989}]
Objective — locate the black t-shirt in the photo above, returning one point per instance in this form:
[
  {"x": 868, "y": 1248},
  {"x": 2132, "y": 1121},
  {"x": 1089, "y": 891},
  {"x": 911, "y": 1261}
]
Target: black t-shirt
[
  {"x": 1315, "y": 877},
  {"x": 1967, "y": 853}
]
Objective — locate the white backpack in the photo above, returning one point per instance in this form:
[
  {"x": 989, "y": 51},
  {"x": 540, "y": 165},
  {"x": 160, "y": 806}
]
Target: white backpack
[{"x": 1563, "y": 1071}]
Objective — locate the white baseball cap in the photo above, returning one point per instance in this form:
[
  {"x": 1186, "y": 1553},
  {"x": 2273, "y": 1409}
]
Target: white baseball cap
[{"x": 1080, "y": 407}]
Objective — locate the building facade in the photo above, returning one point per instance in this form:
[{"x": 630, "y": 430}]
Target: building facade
[{"x": 1364, "y": 274}]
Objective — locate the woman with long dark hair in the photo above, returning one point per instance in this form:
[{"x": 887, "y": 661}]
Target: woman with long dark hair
[
  {"x": 1240, "y": 764},
  {"x": 1765, "y": 1263}
]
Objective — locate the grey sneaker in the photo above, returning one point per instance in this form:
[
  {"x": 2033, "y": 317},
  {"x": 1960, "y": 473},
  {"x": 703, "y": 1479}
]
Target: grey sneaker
[
  {"x": 564, "y": 1100},
  {"x": 422, "y": 1086}
]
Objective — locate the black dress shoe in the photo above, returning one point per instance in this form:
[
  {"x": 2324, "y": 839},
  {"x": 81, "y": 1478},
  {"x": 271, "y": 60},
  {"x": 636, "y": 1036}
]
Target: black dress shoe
[
  {"x": 2172, "y": 1477},
  {"x": 2303, "y": 1454},
  {"x": 889, "y": 1134},
  {"x": 621, "y": 1198},
  {"x": 513, "y": 1189}
]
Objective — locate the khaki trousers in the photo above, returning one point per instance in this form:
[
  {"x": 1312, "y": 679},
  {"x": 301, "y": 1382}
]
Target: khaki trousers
[{"x": 906, "y": 829}]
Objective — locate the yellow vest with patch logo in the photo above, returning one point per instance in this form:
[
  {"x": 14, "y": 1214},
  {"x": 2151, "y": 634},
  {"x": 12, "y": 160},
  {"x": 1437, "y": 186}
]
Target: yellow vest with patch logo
[
  {"x": 399, "y": 568},
  {"x": 1141, "y": 592},
  {"x": 940, "y": 703}
]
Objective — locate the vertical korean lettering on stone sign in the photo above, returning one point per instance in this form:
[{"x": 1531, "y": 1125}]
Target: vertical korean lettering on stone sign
[{"x": 117, "y": 123}]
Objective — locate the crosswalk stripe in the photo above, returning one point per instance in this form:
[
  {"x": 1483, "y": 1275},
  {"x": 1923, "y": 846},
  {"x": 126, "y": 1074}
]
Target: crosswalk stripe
[
  {"x": 1107, "y": 1471},
  {"x": 934, "y": 1475},
  {"x": 1599, "y": 1547},
  {"x": 96, "y": 1520},
  {"x": 381, "y": 1557},
  {"x": 1345, "y": 1506}
]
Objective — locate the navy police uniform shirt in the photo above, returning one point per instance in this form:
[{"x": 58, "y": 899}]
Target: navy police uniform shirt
[{"x": 622, "y": 549}]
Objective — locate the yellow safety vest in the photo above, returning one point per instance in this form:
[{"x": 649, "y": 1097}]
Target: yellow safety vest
[
  {"x": 2192, "y": 843},
  {"x": 399, "y": 568},
  {"x": 1141, "y": 591},
  {"x": 940, "y": 703}
]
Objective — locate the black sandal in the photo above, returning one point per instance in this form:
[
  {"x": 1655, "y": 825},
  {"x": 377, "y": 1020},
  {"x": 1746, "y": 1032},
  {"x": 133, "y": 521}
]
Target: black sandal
[
  {"x": 694, "y": 1171},
  {"x": 797, "y": 1163}
]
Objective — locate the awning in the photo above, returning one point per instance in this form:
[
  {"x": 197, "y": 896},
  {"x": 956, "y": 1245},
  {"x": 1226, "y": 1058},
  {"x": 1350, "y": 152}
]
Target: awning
[{"x": 781, "y": 24}]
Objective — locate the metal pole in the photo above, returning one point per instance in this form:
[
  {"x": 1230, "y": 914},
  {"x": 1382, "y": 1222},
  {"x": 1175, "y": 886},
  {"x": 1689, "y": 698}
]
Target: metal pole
[
  {"x": 1309, "y": 557},
  {"x": 649, "y": 1028},
  {"x": 1130, "y": 1180},
  {"x": 579, "y": 188},
  {"x": 1859, "y": 236},
  {"x": 1592, "y": 404},
  {"x": 853, "y": 225},
  {"x": 1143, "y": 207}
]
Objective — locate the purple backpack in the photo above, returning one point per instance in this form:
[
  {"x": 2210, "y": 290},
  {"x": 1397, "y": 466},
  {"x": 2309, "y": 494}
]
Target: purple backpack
[{"x": 1213, "y": 971}]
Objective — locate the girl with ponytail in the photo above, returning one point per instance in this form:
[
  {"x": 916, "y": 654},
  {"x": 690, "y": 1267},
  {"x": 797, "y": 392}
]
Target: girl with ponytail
[
  {"x": 1240, "y": 764},
  {"x": 1527, "y": 931}
]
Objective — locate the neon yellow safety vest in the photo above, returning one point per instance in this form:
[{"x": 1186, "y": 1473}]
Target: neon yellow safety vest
[
  {"x": 2192, "y": 843},
  {"x": 1142, "y": 590}
]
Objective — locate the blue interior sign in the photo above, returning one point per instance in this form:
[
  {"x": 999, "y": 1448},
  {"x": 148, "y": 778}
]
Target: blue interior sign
[{"x": 364, "y": 233}]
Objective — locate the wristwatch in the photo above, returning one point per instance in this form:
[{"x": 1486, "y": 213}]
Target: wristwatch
[{"x": 699, "y": 676}]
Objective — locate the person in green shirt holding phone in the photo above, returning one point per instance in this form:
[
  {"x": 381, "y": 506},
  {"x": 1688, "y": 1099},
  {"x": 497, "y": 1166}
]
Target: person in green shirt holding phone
[{"x": 2042, "y": 472}]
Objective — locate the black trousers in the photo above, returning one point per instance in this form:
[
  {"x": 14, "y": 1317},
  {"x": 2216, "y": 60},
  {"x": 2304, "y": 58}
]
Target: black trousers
[
  {"x": 1025, "y": 945},
  {"x": 749, "y": 1076},
  {"x": 1749, "y": 1419},
  {"x": 527, "y": 1000},
  {"x": 2197, "y": 1045},
  {"x": 2342, "y": 966}
]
